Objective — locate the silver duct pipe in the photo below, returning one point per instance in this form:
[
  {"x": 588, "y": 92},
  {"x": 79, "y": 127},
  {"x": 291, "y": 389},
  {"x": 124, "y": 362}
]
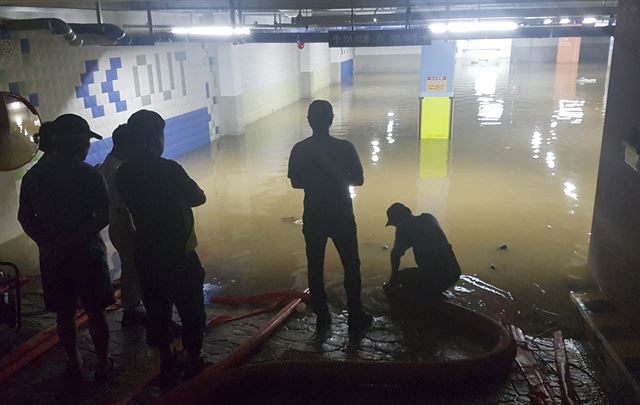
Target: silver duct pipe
[
  {"x": 55, "y": 26},
  {"x": 74, "y": 34}
]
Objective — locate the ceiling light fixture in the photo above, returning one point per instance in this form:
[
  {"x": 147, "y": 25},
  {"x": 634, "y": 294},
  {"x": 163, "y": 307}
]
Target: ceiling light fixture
[
  {"x": 547, "y": 21},
  {"x": 589, "y": 20},
  {"x": 564, "y": 20},
  {"x": 211, "y": 30},
  {"x": 438, "y": 28}
]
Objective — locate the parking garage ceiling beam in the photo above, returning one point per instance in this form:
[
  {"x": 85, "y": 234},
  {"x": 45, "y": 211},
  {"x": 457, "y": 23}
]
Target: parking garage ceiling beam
[
  {"x": 416, "y": 16},
  {"x": 271, "y": 5}
]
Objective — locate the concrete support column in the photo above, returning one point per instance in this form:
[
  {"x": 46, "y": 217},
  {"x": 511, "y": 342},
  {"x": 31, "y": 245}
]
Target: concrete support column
[
  {"x": 231, "y": 98},
  {"x": 614, "y": 257},
  {"x": 436, "y": 89},
  {"x": 567, "y": 62},
  {"x": 306, "y": 73}
]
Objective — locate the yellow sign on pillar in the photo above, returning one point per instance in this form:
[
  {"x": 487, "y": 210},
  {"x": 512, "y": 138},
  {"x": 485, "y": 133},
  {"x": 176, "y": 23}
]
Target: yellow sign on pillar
[{"x": 435, "y": 118}]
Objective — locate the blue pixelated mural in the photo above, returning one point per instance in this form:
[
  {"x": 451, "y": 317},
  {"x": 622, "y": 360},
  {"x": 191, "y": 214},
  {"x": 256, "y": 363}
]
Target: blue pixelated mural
[
  {"x": 83, "y": 92},
  {"x": 107, "y": 85}
]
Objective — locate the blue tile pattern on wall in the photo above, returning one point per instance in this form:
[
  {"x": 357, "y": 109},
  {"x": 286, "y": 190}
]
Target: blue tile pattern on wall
[
  {"x": 183, "y": 134},
  {"x": 82, "y": 91},
  {"x": 107, "y": 85}
]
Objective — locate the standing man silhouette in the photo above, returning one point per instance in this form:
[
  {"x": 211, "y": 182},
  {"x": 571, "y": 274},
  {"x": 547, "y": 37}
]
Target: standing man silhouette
[
  {"x": 63, "y": 206},
  {"x": 122, "y": 231},
  {"x": 325, "y": 167},
  {"x": 160, "y": 196}
]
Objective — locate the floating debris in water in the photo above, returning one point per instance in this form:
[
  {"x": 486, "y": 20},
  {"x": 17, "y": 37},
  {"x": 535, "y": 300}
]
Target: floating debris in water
[
  {"x": 549, "y": 226},
  {"x": 458, "y": 288},
  {"x": 292, "y": 220},
  {"x": 385, "y": 247},
  {"x": 493, "y": 266},
  {"x": 503, "y": 247},
  {"x": 583, "y": 80},
  {"x": 544, "y": 311},
  {"x": 475, "y": 281},
  {"x": 542, "y": 290}
]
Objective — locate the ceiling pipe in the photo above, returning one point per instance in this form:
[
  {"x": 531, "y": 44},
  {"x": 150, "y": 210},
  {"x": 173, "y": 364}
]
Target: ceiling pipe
[
  {"x": 55, "y": 26},
  {"x": 74, "y": 34},
  {"x": 99, "y": 12},
  {"x": 100, "y": 34}
]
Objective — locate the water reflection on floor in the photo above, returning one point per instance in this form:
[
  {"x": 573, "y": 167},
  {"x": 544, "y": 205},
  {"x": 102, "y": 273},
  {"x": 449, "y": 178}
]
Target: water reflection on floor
[{"x": 520, "y": 170}]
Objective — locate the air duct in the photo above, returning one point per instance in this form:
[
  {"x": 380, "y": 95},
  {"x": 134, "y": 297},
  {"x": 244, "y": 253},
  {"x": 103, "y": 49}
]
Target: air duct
[
  {"x": 74, "y": 34},
  {"x": 55, "y": 26}
]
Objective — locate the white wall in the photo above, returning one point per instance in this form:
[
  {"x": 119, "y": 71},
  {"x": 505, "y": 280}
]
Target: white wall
[
  {"x": 270, "y": 78},
  {"x": 397, "y": 59},
  {"x": 270, "y": 75},
  {"x": 320, "y": 66}
]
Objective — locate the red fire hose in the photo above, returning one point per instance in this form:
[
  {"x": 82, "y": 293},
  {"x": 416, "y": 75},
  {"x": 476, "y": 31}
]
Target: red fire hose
[{"x": 275, "y": 378}]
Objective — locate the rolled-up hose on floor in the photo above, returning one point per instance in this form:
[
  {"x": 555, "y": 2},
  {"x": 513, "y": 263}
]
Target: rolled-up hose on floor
[{"x": 276, "y": 379}]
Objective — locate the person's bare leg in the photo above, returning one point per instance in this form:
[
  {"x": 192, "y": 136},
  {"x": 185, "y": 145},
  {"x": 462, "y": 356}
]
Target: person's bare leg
[
  {"x": 99, "y": 331},
  {"x": 68, "y": 332}
]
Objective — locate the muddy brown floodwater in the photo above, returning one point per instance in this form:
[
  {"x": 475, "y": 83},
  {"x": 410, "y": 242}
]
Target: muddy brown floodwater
[{"x": 520, "y": 170}]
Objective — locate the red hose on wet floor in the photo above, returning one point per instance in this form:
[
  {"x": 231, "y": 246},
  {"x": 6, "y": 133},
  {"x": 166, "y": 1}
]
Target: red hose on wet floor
[
  {"x": 279, "y": 378},
  {"x": 190, "y": 392}
]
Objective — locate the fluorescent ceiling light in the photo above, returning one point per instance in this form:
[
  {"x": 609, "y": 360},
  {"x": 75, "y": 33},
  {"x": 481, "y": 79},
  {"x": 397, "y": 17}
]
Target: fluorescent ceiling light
[
  {"x": 565, "y": 21},
  {"x": 473, "y": 26},
  {"x": 547, "y": 21},
  {"x": 589, "y": 20},
  {"x": 211, "y": 30}
]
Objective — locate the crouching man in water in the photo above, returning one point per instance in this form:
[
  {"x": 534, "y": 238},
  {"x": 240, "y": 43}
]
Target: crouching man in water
[
  {"x": 159, "y": 195},
  {"x": 437, "y": 268}
]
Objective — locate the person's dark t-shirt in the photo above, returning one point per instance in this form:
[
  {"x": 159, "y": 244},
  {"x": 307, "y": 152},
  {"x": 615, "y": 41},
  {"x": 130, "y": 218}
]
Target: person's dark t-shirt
[
  {"x": 431, "y": 248},
  {"x": 159, "y": 195},
  {"x": 325, "y": 167},
  {"x": 59, "y": 199}
]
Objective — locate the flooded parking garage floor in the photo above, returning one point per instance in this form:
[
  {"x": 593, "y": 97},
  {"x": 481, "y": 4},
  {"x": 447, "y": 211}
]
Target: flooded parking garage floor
[{"x": 520, "y": 171}]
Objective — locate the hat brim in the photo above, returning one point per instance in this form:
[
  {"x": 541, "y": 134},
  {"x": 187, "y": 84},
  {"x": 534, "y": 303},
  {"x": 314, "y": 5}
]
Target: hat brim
[{"x": 94, "y": 135}]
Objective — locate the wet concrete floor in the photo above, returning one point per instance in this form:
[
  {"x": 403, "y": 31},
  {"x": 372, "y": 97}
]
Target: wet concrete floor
[{"x": 388, "y": 338}]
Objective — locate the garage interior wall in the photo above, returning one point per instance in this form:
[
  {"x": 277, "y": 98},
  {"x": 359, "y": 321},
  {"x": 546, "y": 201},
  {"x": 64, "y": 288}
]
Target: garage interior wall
[
  {"x": 386, "y": 59},
  {"x": 105, "y": 85}
]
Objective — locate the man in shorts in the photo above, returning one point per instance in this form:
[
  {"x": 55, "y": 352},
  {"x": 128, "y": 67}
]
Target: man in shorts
[{"x": 63, "y": 206}]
